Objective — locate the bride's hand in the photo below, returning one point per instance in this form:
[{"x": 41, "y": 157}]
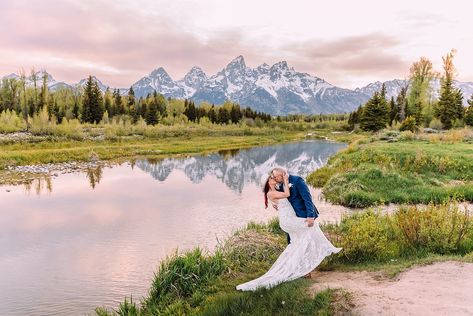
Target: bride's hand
[{"x": 286, "y": 178}]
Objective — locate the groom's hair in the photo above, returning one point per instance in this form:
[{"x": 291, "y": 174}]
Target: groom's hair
[{"x": 279, "y": 169}]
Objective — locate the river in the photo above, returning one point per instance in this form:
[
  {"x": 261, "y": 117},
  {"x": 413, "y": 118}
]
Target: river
[{"x": 85, "y": 239}]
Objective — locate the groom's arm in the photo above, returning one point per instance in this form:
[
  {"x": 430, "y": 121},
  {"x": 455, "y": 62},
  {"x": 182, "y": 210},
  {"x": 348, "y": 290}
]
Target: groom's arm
[{"x": 303, "y": 189}]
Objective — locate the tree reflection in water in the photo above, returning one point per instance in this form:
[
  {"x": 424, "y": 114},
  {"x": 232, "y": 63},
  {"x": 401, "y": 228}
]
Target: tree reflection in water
[
  {"x": 94, "y": 175},
  {"x": 42, "y": 183}
]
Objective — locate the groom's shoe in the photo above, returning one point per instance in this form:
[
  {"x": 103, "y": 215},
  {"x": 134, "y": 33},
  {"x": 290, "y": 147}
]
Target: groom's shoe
[{"x": 308, "y": 276}]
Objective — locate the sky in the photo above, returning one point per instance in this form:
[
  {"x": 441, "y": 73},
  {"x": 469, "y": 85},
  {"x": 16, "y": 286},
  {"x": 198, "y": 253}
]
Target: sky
[{"x": 347, "y": 43}]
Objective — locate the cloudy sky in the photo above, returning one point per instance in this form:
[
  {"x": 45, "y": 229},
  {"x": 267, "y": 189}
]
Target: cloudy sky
[{"x": 348, "y": 43}]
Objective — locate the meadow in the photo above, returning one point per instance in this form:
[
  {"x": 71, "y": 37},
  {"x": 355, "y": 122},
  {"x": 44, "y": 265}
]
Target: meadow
[{"x": 393, "y": 167}]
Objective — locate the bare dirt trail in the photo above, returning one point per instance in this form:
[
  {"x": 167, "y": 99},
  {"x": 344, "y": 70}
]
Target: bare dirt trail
[{"x": 444, "y": 288}]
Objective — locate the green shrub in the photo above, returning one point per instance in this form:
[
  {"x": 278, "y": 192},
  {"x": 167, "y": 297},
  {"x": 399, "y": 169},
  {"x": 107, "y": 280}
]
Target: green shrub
[
  {"x": 367, "y": 236},
  {"x": 409, "y": 124}
]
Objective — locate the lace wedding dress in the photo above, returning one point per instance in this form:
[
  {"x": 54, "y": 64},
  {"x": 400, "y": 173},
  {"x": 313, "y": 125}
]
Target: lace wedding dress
[{"x": 307, "y": 249}]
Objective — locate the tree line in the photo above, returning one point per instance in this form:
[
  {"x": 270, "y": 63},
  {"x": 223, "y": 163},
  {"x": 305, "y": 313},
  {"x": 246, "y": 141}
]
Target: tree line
[
  {"x": 89, "y": 104},
  {"x": 414, "y": 106}
]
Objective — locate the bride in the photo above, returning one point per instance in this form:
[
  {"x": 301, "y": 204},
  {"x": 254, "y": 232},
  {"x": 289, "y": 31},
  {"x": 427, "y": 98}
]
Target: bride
[{"x": 308, "y": 246}]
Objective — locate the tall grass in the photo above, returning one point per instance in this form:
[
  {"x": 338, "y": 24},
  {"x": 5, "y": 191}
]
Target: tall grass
[{"x": 179, "y": 277}]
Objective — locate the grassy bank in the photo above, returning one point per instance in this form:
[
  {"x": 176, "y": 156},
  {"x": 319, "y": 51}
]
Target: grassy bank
[
  {"x": 400, "y": 168},
  {"x": 60, "y": 150},
  {"x": 196, "y": 284}
]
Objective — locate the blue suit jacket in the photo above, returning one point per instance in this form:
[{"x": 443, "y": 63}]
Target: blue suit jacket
[{"x": 300, "y": 198}]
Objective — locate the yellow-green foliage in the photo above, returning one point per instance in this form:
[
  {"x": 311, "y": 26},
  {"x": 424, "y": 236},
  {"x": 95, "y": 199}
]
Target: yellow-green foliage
[
  {"x": 41, "y": 125},
  {"x": 69, "y": 128},
  {"x": 439, "y": 229},
  {"x": 11, "y": 122},
  {"x": 367, "y": 236}
]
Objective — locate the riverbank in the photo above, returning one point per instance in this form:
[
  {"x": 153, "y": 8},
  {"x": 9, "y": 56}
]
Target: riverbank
[{"x": 21, "y": 161}]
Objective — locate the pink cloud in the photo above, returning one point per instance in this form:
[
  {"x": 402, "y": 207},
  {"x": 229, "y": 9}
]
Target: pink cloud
[{"x": 71, "y": 41}]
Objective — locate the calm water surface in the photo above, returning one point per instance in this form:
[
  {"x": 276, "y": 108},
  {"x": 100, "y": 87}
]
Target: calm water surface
[{"x": 82, "y": 240}]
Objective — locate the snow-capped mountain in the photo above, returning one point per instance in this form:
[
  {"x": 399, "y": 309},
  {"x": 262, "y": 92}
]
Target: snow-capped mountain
[
  {"x": 276, "y": 89},
  {"x": 192, "y": 81},
  {"x": 39, "y": 75},
  {"x": 158, "y": 80},
  {"x": 393, "y": 87},
  {"x": 102, "y": 86}
]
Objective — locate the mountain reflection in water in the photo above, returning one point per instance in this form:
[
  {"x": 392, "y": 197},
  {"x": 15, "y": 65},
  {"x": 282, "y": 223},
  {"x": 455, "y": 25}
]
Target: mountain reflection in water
[{"x": 236, "y": 168}]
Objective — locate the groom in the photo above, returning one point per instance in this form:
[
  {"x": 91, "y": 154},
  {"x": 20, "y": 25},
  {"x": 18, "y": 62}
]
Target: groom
[{"x": 300, "y": 197}]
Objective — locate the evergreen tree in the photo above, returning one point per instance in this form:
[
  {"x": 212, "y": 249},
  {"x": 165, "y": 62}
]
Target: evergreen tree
[
  {"x": 354, "y": 117},
  {"x": 212, "y": 114},
  {"x": 375, "y": 114},
  {"x": 235, "y": 114},
  {"x": 118, "y": 108},
  {"x": 133, "y": 113},
  {"x": 401, "y": 104},
  {"x": 152, "y": 113},
  {"x": 223, "y": 115},
  {"x": 131, "y": 97},
  {"x": 161, "y": 103},
  {"x": 450, "y": 105},
  {"x": 459, "y": 109},
  {"x": 92, "y": 104},
  {"x": 393, "y": 111},
  {"x": 75, "y": 108},
  {"x": 190, "y": 111},
  {"x": 469, "y": 112}
]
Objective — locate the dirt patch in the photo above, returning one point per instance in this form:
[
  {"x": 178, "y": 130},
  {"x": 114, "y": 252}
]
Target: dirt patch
[{"x": 444, "y": 288}]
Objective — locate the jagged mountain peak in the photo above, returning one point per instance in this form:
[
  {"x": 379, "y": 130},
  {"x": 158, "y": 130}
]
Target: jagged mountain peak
[
  {"x": 264, "y": 67},
  {"x": 195, "y": 72},
  {"x": 281, "y": 65},
  {"x": 238, "y": 60},
  {"x": 160, "y": 73}
]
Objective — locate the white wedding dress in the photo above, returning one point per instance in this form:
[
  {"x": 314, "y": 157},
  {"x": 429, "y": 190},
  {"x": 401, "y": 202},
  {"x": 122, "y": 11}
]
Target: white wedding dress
[{"x": 307, "y": 249}]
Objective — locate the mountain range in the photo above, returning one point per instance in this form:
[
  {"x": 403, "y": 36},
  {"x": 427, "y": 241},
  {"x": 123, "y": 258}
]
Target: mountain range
[{"x": 276, "y": 89}]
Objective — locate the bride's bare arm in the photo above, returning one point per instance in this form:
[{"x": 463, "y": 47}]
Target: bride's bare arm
[{"x": 276, "y": 195}]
